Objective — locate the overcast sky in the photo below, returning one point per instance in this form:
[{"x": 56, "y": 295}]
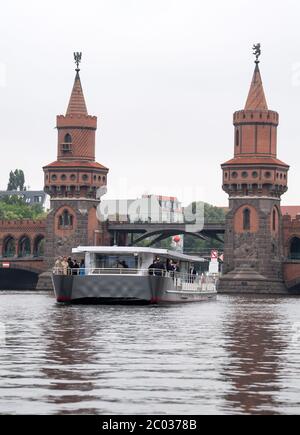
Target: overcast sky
[{"x": 164, "y": 78}]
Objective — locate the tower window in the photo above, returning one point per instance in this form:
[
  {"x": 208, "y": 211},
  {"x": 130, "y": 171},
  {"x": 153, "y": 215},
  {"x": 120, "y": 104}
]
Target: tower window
[
  {"x": 244, "y": 174},
  {"x": 246, "y": 219},
  {"x": 66, "y": 220},
  {"x": 67, "y": 144},
  {"x": 68, "y": 138},
  {"x": 237, "y": 138},
  {"x": 274, "y": 220}
]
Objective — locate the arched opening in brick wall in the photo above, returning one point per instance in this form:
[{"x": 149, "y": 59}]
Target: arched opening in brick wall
[
  {"x": 24, "y": 247},
  {"x": 39, "y": 246},
  {"x": 68, "y": 138},
  {"x": 67, "y": 144},
  {"x": 295, "y": 248},
  {"x": 246, "y": 219},
  {"x": 66, "y": 220},
  {"x": 237, "y": 138},
  {"x": 274, "y": 220},
  {"x": 9, "y": 247}
]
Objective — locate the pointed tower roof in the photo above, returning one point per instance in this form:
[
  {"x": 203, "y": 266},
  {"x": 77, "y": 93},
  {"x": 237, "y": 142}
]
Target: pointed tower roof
[
  {"x": 256, "y": 99},
  {"x": 77, "y": 104}
]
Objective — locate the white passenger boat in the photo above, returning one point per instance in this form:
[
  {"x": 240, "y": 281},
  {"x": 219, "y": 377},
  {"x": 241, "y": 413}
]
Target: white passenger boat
[{"x": 128, "y": 275}]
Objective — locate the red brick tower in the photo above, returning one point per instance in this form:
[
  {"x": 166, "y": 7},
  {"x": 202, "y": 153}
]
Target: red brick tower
[
  {"x": 73, "y": 179},
  {"x": 254, "y": 180}
]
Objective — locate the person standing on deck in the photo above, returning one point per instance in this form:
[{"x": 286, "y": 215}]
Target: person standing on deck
[
  {"x": 58, "y": 266},
  {"x": 65, "y": 266},
  {"x": 82, "y": 268}
]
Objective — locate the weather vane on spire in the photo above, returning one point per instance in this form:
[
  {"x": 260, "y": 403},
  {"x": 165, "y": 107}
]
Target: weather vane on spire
[
  {"x": 257, "y": 51},
  {"x": 77, "y": 58}
]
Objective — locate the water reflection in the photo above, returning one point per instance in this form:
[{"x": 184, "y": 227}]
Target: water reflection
[
  {"x": 254, "y": 344},
  {"x": 70, "y": 351},
  {"x": 233, "y": 355}
]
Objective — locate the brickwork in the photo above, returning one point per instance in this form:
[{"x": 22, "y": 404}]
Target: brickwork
[
  {"x": 291, "y": 267},
  {"x": 59, "y": 242},
  {"x": 254, "y": 180},
  {"x": 73, "y": 180},
  {"x": 17, "y": 229}
]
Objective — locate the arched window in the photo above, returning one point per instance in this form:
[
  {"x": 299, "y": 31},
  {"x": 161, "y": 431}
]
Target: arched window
[
  {"x": 67, "y": 144},
  {"x": 39, "y": 246},
  {"x": 274, "y": 220},
  {"x": 9, "y": 247},
  {"x": 24, "y": 248},
  {"x": 68, "y": 138},
  {"x": 295, "y": 249},
  {"x": 246, "y": 219},
  {"x": 66, "y": 220},
  {"x": 237, "y": 138}
]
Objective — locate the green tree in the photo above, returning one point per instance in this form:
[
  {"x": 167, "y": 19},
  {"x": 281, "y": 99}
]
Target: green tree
[
  {"x": 16, "y": 180},
  {"x": 14, "y": 208},
  {"x": 212, "y": 214}
]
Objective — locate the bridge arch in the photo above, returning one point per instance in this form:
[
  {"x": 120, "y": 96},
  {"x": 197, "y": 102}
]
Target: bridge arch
[
  {"x": 165, "y": 234},
  {"x": 18, "y": 278}
]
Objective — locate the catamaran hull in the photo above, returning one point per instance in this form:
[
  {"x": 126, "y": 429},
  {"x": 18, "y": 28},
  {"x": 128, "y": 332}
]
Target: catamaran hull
[{"x": 109, "y": 289}]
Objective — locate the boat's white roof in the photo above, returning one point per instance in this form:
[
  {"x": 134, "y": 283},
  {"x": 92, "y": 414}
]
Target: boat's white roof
[{"x": 121, "y": 250}]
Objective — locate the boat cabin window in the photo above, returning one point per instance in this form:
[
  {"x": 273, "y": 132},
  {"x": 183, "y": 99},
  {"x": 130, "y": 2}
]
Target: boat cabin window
[{"x": 116, "y": 261}]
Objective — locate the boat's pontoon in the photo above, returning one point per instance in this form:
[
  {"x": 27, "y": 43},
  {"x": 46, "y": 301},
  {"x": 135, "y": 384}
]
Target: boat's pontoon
[{"x": 124, "y": 275}]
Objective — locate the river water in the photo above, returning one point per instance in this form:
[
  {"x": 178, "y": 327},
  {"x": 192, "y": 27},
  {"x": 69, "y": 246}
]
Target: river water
[{"x": 235, "y": 355}]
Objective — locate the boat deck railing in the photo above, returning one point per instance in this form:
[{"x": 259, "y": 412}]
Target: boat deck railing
[{"x": 181, "y": 280}]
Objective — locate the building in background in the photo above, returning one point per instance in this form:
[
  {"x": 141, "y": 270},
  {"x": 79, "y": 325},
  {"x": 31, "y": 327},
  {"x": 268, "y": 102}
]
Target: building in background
[
  {"x": 149, "y": 208},
  {"x": 30, "y": 197}
]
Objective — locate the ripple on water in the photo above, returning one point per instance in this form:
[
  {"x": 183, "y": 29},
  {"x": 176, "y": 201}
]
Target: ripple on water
[{"x": 233, "y": 355}]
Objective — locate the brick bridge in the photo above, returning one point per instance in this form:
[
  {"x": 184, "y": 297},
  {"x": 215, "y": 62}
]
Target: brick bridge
[
  {"x": 22, "y": 246},
  {"x": 21, "y": 253},
  {"x": 291, "y": 266}
]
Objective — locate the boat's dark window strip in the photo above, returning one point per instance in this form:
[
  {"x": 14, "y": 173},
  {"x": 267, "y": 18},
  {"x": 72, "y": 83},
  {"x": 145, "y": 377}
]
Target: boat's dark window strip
[{"x": 116, "y": 261}]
